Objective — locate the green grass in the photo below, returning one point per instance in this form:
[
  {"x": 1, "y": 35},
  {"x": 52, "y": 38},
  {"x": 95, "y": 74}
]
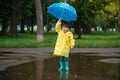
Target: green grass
[{"x": 94, "y": 40}]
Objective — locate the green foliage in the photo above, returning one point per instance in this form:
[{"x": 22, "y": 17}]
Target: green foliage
[
  {"x": 105, "y": 17},
  {"x": 87, "y": 11},
  {"x": 101, "y": 20},
  {"x": 95, "y": 40}
]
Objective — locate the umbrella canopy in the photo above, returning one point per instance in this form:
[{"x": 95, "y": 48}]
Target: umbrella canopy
[{"x": 63, "y": 11}]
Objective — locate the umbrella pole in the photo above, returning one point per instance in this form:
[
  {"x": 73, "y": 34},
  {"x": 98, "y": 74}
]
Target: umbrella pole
[{"x": 64, "y": 1}]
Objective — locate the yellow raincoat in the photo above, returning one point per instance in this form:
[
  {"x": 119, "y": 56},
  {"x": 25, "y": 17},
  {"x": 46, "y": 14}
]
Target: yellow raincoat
[{"x": 64, "y": 41}]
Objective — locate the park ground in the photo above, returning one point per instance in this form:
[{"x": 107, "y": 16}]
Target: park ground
[{"x": 50, "y": 50}]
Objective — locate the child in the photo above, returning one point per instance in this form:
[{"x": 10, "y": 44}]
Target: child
[{"x": 63, "y": 45}]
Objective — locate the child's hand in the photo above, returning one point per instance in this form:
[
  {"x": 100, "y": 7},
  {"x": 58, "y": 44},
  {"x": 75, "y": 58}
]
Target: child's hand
[{"x": 58, "y": 22}]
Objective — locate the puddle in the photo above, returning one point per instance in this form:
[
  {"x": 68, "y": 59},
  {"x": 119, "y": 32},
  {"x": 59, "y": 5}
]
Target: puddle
[
  {"x": 111, "y": 60},
  {"x": 82, "y": 67}
]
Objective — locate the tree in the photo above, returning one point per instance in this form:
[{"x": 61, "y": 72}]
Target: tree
[
  {"x": 26, "y": 14},
  {"x": 118, "y": 28},
  {"x": 77, "y": 25},
  {"x": 14, "y": 20},
  {"x": 5, "y": 23},
  {"x": 102, "y": 21},
  {"x": 118, "y": 15},
  {"x": 5, "y": 13},
  {"x": 39, "y": 17}
]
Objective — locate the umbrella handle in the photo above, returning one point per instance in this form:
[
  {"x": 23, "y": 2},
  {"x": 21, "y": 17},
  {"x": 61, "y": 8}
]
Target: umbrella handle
[
  {"x": 64, "y": 1},
  {"x": 59, "y": 20}
]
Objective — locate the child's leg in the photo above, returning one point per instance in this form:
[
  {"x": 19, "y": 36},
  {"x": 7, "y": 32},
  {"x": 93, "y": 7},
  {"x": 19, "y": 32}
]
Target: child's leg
[
  {"x": 62, "y": 58},
  {"x": 66, "y": 59},
  {"x": 61, "y": 63}
]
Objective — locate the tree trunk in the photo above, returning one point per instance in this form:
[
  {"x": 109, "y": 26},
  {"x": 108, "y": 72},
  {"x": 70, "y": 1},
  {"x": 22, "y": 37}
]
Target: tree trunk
[
  {"x": 95, "y": 28},
  {"x": 5, "y": 24},
  {"x": 14, "y": 21},
  {"x": 32, "y": 20},
  {"x": 77, "y": 30},
  {"x": 118, "y": 25},
  {"x": 22, "y": 26},
  {"x": 39, "y": 17},
  {"x": 32, "y": 26},
  {"x": 87, "y": 29},
  {"x": 118, "y": 28}
]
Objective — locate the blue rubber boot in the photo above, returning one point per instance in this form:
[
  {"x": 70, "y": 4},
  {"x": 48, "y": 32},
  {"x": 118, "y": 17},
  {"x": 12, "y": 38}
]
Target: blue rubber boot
[
  {"x": 61, "y": 66},
  {"x": 67, "y": 66}
]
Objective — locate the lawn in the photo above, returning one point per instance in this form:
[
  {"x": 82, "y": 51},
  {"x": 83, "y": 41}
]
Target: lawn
[{"x": 93, "y": 40}]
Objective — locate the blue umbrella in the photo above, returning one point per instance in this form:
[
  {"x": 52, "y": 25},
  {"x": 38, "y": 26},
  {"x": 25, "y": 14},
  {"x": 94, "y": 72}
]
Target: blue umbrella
[{"x": 63, "y": 11}]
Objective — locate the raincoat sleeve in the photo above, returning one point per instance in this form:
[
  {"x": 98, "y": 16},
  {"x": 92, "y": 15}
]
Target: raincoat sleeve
[{"x": 58, "y": 26}]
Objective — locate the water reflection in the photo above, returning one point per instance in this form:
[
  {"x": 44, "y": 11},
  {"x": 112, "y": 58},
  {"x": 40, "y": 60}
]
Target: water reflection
[
  {"x": 82, "y": 67},
  {"x": 87, "y": 67},
  {"x": 119, "y": 72},
  {"x": 39, "y": 67},
  {"x": 64, "y": 75}
]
